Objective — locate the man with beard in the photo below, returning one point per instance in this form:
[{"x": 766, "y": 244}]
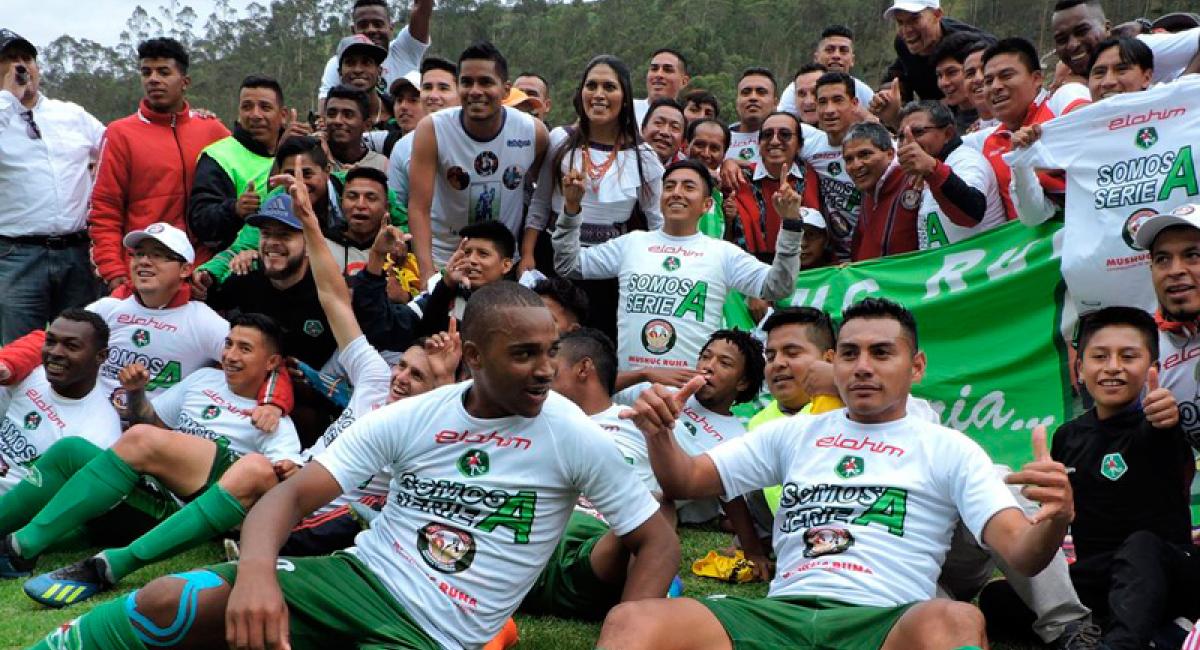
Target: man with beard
[
  {"x": 371, "y": 18},
  {"x": 469, "y": 163},
  {"x": 346, "y": 110}
]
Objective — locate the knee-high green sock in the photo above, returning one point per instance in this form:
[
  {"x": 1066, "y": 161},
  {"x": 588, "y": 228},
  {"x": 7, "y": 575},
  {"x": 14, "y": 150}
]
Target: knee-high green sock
[
  {"x": 212, "y": 513},
  {"x": 107, "y": 627},
  {"x": 46, "y": 476},
  {"x": 91, "y": 492}
]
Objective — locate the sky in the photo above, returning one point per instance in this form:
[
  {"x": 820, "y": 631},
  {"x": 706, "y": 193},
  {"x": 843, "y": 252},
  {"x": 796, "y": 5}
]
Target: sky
[{"x": 98, "y": 20}]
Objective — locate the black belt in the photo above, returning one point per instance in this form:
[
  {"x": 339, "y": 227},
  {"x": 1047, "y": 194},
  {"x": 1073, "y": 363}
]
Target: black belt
[{"x": 50, "y": 241}]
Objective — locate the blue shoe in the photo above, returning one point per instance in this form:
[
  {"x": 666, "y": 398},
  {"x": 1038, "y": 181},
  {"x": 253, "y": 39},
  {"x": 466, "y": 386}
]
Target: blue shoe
[
  {"x": 676, "y": 588},
  {"x": 69, "y": 585},
  {"x": 12, "y": 565}
]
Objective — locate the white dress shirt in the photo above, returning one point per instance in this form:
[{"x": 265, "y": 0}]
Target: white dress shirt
[{"x": 45, "y": 183}]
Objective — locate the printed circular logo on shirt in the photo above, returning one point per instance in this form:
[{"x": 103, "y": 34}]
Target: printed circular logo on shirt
[
  {"x": 458, "y": 178},
  {"x": 672, "y": 263},
  {"x": 141, "y": 338},
  {"x": 835, "y": 168},
  {"x": 850, "y": 466},
  {"x": 1113, "y": 467},
  {"x": 1133, "y": 224},
  {"x": 512, "y": 177},
  {"x": 746, "y": 153},
  {"x": 117, "y": 399},
  {"x": 658, "y": 336},
  {"x": 444, "y": 548},
  {"x": 32, "y": 420},
  {"x": 1146, "y": 137},
  {"x": 474, "y": 462},
  {"x": 910, "y": 199},
  {"x": 486, "y": 163},
  {"x": 826, "y": 541},
  {"x": 211, "y": 412},
  {"x": 313, "y": 328}
]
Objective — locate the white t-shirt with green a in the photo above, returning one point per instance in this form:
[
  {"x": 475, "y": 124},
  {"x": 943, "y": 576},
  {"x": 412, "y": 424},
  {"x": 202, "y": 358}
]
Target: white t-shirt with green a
[
  {"x": 867, "y": 510},
  {"x": 476, "y": 507}
]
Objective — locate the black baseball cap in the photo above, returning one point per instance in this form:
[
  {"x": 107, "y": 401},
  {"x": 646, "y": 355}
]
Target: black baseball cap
[
  {"x": 1178, "y": 21},
  {"x": 9, "y": 38}
]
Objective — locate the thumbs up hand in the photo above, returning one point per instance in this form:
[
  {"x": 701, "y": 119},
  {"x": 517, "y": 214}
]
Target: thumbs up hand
[
  {"x": 248, "y": 203},
  {"x": 658, "y": 407},
  {"x": 1046, "y": 481},
  {"x": 1159, "y": 405},
  {"x": 912, "y": 158}
]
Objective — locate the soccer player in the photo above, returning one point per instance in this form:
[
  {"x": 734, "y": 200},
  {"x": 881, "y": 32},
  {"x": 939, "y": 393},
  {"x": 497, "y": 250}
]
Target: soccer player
[
  {"x": 755, "y": 100},
  {"x": 837, "y": 111},
  {"x": 371, "y": 18},
  {"x": 834, "y": 53},
  {"x": 184, "y": 441},
  {"x": 673, "y": 280},
  {"x": 62, "y": 398},
  {"x": 1118, "y": 66},
  {"x": 469, "y": 163},
  {"x": 867, "y": 527},
  {"x": 346, "y": 119},
  {"x": 485, "y": 475},
  {"x": 804, "y": 85},
  {"x": 666, "y": 75},
  {"x": 1079, "y": 26}
]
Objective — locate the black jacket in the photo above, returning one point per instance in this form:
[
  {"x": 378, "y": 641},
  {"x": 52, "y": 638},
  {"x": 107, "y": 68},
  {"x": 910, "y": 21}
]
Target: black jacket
[{"x": 916, "y": 71}]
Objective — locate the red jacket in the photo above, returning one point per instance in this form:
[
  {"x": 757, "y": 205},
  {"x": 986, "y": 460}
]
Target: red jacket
[
  {"x": 147, "y": 161},
  {"x": 888, "y": 222}
]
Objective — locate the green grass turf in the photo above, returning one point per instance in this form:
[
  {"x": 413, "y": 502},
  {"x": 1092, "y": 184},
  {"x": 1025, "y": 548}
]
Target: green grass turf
[{"x": 25, "y": 622}]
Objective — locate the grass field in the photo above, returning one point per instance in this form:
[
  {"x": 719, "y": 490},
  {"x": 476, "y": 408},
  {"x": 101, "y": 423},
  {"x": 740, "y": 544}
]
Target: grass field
[{"x": 26, "y": 622}]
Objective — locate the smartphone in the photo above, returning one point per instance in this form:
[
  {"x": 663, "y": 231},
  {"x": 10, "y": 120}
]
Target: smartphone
[{"x": 22, "y": 75}]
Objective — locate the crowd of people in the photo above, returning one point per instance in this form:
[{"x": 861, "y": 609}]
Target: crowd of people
[{"x": 424, "y": 361}]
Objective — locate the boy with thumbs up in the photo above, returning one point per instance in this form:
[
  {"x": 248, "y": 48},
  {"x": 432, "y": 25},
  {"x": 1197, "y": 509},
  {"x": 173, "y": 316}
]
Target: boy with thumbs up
[{"x": 1130, "y": 471}]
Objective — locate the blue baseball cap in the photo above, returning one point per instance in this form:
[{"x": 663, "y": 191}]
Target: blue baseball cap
[{"x": 277, "y": 208}]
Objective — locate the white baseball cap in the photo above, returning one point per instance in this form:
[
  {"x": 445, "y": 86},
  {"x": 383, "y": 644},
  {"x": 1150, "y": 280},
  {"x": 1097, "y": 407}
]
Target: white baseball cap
[
  {"x": 911, "y": 6},
  {"x": 811, "y": 217},
  {"x": 164, "y": 233},
  {"x": 1147, "y": 228}
]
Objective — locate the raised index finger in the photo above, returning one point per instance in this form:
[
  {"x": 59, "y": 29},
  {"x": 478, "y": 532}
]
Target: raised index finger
[
  {"x": 1041, "y": 451},
  {"x": 684, "y": 394}
]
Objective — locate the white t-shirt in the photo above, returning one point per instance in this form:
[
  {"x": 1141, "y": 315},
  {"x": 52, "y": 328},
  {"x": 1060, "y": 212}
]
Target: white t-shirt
[
  {"x": 371, "y": 378},
  {"x": 840, "y": 199},
  {"x": 1178, "y": 355},
  {"x": 1172, "y": 52},
  {"x": 743, "y": 146},
  {"x": 613, "y": 199},
  {"x": 1125, "y": 158},
  {"x": 640, "y": 108},
  {"x": 672, "y": 290},
  {"x": 398, "y": 167},
  {"x": 867, "y": 510},
  {"x": 36, "y": 417},
  {"x": 404, "y": 56},
  {"x": 787, "y": 101},
  {"x": 934, "y": 227},
  {"x": 171, "y": 343},
  {"x": 630, "y": 441},
  {"x": 479, "y": 181},
  {"x": 458, "y": 544},
  {"x": 203, "y": 406}
]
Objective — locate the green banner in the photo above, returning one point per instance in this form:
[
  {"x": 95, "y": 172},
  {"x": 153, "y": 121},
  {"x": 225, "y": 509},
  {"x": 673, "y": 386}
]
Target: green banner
[{"x": 987, "y": 313}]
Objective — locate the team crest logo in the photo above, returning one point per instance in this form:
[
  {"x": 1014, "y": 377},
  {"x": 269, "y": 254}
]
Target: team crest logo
[
  {"x": 826, "y": 541},
  {"x": 32, "y": 420},
  {"x": 849, "y": 467},
  {"x": 835, "y": 168},
  {"x": 211, "y": 412},
  {"x": 910, "y": 199},
  {"x": 313, "y": 328},
  {"x": 746, "y": 153},
  {"x": 141, "y": 338},
  {"x": 658, "y": 336},
  {"x": 1113, "y": 467},
  {"x": 1133, "y": 224},
  {"x": 486, "y": 163},
  {"x": 672, "y": 263},
  {"x": 689, "y": 426},
  {"x": 474, "y": 462},
  {"x": 1146, "y": 137},
  {"x": 446, "y": 549}
]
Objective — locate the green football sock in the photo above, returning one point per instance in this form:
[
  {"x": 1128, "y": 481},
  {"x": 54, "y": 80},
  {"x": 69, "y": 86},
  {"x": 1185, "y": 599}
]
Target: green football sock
[
  {"x": 47, "y": 474},
  {"x": 106, "y": 626},
  {"x": 92, "y": 491},
  {"x": 212, "y": 513}
]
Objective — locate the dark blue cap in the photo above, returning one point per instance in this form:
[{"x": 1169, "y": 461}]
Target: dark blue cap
[{"x": 277, "y": 208}]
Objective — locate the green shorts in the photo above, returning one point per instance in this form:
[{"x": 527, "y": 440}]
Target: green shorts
[
  {"x": 802, "y": 623},
  {"x": 153, "y": 498},
  {"x": 335, "y": 601},
  {"x": 567, "y": 587}
]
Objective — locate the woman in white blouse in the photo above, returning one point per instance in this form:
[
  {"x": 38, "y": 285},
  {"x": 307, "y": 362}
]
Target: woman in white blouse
[{"x": 622, "y": 177}]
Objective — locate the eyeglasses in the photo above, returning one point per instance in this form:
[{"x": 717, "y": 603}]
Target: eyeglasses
[
  {"x": 31, "y": 127},
  {"x": 784, "y": 135}
]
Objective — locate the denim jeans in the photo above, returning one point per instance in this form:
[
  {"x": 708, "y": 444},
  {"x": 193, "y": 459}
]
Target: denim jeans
[{"x": 37, "y": 282}]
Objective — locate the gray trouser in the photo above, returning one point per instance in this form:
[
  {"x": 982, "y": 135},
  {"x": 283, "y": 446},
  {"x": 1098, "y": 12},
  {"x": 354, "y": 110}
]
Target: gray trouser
[{"x": 1050, "y": 595}]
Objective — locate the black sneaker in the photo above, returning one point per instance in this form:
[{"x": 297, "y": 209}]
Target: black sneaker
[
  {"x": 13, "y": 565},
  {"x": 1080, "y": 635},
  {"x": 69, "y": 585}
]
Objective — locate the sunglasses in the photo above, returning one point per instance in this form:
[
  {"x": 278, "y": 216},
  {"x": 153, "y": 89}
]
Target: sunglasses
[
  {"x": 784, "y": 135},
  {"x": 31, "y": 127}
]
